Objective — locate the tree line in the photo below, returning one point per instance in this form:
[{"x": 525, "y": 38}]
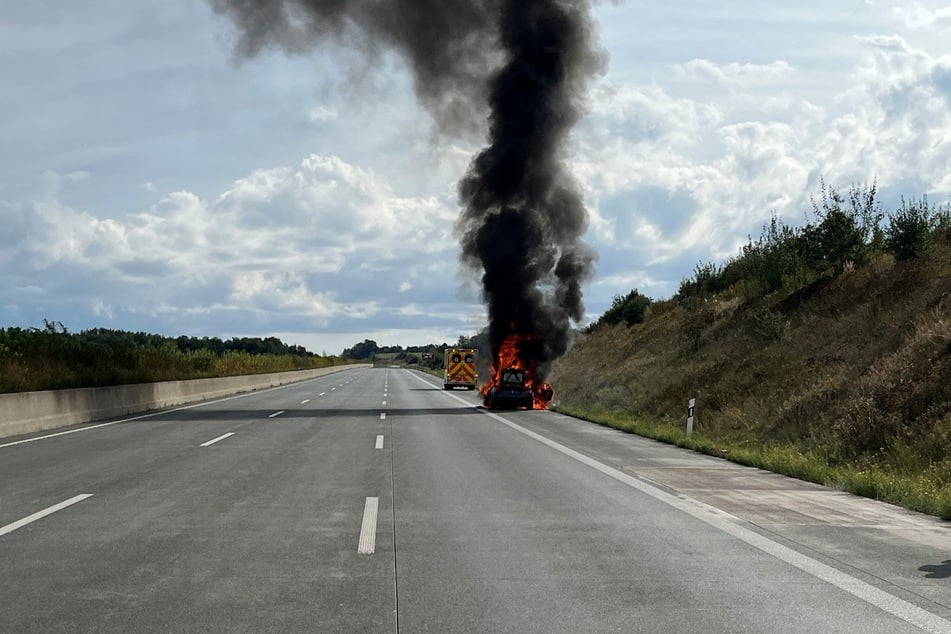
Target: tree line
[
  {"x": 52, "y": 357},
  {"x": 369, "y": 350}
]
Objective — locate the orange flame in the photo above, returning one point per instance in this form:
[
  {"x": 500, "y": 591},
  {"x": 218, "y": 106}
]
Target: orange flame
[{"x": 507, "y": 357}]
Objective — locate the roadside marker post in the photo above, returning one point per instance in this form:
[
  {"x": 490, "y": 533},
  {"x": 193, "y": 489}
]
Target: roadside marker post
[{"x": 691, "y": 406}]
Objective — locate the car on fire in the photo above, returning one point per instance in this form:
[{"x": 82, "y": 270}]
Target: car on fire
[{"x": 511, "y": 392}]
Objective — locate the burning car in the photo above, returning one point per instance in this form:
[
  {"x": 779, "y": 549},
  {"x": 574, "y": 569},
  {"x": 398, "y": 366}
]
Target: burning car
[{"x": 511, "y": 392}]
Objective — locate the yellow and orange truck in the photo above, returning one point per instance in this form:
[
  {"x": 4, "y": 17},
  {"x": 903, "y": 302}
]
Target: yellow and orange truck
[{"x": 461, "y": 368}]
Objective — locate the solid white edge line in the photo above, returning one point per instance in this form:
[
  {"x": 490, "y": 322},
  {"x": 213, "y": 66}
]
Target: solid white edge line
[
  {"x": 214, "y": 440},
  {"x": 379, "y": 442},
  {"x": 158, "y": 413},
  {"x": 732, "y": 525},
  {"x": 278, "y": 413},
  {"x": 367, "y": 544},
  {"x": 29, "y": 519}
]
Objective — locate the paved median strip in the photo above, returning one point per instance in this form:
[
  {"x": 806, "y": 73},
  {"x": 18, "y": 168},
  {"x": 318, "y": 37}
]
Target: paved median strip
[
  {"x": 214, "y": 440},
  {"x": 367, "y": 544},
  {"x": 29, "y": 519}
]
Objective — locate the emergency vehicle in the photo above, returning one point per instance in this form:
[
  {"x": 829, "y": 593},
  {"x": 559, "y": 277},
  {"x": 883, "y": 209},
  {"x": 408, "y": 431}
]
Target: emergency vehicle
[{"x": 461, "y": 369}]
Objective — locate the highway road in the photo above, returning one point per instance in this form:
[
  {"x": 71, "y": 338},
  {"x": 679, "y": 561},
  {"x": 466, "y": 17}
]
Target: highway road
[{"x": 372, "y": 500}]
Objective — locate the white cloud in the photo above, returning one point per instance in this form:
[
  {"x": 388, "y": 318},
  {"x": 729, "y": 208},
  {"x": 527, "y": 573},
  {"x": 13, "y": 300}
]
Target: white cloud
[
  {"x": 282, "y": 241},
  {"x": 735, "y": 73},
  {"x": 628, "y": 280},
  {"x": 670, "y": 175},
  {"x": 53, "y": 181},
  {"x": 896, "y": 120},
  {"x": 918, "y": 17},
  {"x": 410, "y": 309},
  {"x": 77, "y": 176},
  {"x": 320, "y": 114},
  {"x": 748, "y": 168},
  {"x": 101, "y": 309}
]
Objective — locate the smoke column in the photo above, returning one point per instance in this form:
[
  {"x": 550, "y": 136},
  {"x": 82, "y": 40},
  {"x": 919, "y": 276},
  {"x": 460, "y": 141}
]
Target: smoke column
[{"x": 523, "y": 215}]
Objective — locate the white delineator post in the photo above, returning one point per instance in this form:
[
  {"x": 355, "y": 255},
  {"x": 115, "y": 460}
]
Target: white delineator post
[{"x": 691, "y": 405}]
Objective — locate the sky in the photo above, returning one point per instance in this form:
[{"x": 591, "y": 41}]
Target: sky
[{"x": 151, "y": 181}]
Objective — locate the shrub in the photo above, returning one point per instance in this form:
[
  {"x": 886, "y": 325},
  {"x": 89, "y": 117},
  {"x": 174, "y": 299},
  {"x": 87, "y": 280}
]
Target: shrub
[
  {"x": 628, "y": 309},
  {"x": 778, "y": 259},
  {"x": 942, "y": 225},
  {"x": 845, "y": 231},
  {"x": 708, "y": 279},
  {"x": 699, "y": 317},
  {"x": 768, "y": 325},
  {"x": 360, "y": 351},
  {"x": 910, "y": 229}
]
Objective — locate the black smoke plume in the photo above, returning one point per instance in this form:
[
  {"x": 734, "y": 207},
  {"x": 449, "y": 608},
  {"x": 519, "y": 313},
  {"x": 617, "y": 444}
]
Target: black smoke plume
[{"x": 529, "y": 62}]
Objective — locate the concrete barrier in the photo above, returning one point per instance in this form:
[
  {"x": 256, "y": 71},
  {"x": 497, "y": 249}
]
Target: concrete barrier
[{"x": 28, "y": 412}]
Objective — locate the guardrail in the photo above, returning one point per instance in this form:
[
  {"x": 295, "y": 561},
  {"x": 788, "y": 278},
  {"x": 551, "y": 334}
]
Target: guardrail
[{"x": 27, "y": 412}]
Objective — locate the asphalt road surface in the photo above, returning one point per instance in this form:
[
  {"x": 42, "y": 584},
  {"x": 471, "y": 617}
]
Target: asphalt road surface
[{"x": 373, "y": 500}]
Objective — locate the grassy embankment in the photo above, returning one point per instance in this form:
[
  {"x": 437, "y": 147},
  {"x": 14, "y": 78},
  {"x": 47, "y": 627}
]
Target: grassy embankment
[
  {"x": 831, "y": 369},
  {"x": 52, "y": 358}
]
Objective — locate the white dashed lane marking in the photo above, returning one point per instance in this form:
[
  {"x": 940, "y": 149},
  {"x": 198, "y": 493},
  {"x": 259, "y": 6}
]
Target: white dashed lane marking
[
  {"x": 29, "y": 519},
  {"x": 214, "y": 440},
  {"x": 367, "y": 543}
]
